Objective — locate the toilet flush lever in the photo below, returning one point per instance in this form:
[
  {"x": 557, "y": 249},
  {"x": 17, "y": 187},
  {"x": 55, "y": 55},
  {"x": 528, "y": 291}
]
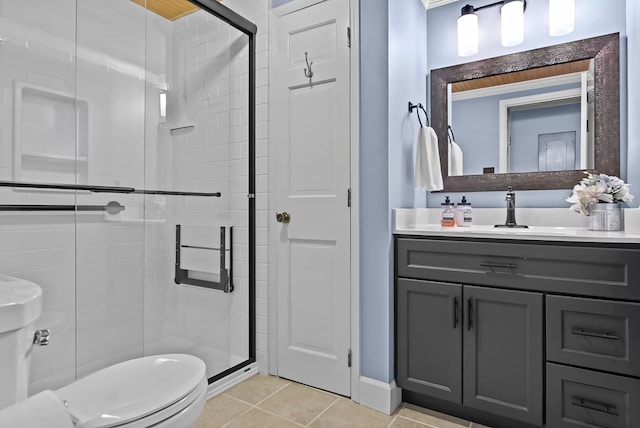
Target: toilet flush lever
[{"x": 41, "y": 337}]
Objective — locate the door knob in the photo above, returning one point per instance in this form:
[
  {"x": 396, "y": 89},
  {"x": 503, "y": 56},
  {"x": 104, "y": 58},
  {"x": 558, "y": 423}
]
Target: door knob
[{"x": 283, "y": 217}]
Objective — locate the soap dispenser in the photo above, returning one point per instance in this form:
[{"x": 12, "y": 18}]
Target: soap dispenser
[
  {"x": 448, "y": 215},
  {"x": 464, "y": 213}
]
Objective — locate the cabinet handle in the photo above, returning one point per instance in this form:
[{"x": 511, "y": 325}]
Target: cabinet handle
[
  {"x": 598, "y": 407},
  {"x": 500, "y": 265},
  {"x": 469, "y": 314},
  {"x": 605, "y": 335},
  {"x": 455, "y": 312}
]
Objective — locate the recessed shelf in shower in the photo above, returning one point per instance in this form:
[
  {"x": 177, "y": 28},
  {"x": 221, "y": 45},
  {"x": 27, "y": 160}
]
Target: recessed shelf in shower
[{"x": 51, "y": 135}]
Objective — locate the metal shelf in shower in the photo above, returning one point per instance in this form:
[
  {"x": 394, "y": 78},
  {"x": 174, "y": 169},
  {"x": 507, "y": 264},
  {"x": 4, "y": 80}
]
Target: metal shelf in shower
[{"x": 225, "y": 282}]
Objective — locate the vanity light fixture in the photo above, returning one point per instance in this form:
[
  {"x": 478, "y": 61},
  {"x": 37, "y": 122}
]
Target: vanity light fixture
[
  {"x": 468, "y": 32},
  {"x": 512, "y": 25},
  {"x": 561, "y": 17}
]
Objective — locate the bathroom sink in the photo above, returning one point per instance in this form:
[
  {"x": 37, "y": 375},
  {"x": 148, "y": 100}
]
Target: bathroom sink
[
  {"x": 491, "y": 230},
  {"x": 20, "y": 303}
]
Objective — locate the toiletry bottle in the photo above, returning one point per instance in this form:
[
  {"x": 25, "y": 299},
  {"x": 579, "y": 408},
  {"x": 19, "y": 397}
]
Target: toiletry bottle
[
  {"x": 464, "y": 213},
  {"x": 448, "y": 215}
]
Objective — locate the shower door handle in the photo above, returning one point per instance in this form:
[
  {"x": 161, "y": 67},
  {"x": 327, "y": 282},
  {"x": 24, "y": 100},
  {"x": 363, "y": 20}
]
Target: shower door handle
[{"x": 283, "y": 217}]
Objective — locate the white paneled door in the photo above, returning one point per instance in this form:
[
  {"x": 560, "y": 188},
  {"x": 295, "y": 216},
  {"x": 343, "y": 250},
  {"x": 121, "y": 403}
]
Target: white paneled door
[{"x": 310, "y": 193}]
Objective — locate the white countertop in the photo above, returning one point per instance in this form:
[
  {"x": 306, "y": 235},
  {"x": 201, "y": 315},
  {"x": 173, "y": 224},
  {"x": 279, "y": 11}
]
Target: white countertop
[{"x": 555, "y": 224}]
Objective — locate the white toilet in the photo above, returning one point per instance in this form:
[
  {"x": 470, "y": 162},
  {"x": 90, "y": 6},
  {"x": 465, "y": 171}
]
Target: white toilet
[{"x": 160, "y": 391}]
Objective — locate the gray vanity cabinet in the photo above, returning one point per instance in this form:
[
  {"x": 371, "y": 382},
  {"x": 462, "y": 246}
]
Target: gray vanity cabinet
[
  {"x": 520, "y": 333},
  {"x": 492, "y": 336}
]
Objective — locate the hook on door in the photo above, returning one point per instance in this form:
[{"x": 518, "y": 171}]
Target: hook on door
[{"x": 308, "y": 73}]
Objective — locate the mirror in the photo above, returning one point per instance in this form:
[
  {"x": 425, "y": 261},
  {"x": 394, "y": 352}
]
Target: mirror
[
  {"x": 599, "y": 54},
  {"x": 534, "y": 120}
]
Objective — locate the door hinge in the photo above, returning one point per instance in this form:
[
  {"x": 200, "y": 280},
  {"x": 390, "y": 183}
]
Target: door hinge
[
  {"x": 349, "y": 198},
  {"x": 349, "y": 358},
  {"x": 348, "y": 37}
]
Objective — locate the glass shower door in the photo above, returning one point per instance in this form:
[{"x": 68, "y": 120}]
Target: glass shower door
[
  {"x": 196, "y": 288},
  {"x": 129, "y": 195}
]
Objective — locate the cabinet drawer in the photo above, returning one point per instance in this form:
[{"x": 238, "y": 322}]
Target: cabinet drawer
[
  {"x": 595, "y": 334},
  {"x": 579, "y": 398},
  {"x": 592, "y": 271}
]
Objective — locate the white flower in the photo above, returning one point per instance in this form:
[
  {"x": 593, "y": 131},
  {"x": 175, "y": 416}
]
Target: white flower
[
  {"x": 597, "y": 188},
  {"x": 623, "y": 194}
]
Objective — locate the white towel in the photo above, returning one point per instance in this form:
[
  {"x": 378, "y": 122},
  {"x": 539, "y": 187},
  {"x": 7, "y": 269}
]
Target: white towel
[
  {"x": 44, "y": 409},
  {"x": 455, "y": 159},
  {"x": 428, "y": 175}
]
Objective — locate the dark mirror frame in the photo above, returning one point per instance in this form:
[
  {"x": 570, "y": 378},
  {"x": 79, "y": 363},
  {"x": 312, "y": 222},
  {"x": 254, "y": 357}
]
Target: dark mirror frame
[{"x": 605, "y": 50}]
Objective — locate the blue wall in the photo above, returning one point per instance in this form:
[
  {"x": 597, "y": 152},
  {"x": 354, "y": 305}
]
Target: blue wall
[
  {"x": 633, "y": 101},
  {"x": 375, "y": 270},
  {"x": 392, "y": 73},
  {"x": 593, "y": 18}
]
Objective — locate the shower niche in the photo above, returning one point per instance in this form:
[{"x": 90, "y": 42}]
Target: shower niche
[{"x": 51, "y": 135}]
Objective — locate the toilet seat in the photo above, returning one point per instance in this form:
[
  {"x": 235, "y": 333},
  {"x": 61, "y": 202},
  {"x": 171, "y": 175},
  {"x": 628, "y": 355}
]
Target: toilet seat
[{"x": 136, "y": 393}]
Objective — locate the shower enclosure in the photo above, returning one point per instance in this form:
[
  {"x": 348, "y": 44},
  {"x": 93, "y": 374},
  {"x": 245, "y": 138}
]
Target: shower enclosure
[{"x": 127, "y": 179}]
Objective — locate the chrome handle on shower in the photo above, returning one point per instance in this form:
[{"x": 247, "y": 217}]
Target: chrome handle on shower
[
  {"x": 41, "y": 337},
  {"x": 283, "y": 217}
]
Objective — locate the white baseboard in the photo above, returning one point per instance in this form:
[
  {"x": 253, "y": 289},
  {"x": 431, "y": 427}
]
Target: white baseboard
[
  {"x": 380, "y": 396},
  {"x": 232, "y": 380}
]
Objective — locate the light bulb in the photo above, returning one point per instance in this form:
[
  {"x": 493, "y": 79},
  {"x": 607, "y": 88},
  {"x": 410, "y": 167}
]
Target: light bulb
[
  {"x": 561, "y": 17},
  {"x": 512, "y": 20}
]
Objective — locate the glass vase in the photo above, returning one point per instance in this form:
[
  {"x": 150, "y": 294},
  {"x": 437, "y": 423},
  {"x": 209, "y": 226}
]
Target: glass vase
[{"x": 604, "y": 216}]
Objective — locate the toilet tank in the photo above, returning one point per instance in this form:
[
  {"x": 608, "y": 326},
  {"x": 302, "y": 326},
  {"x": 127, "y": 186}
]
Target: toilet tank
[{"x": 20, "y": 307}]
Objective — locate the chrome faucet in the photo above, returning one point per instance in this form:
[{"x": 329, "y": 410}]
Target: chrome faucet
[{"x": 511, "y": 210}]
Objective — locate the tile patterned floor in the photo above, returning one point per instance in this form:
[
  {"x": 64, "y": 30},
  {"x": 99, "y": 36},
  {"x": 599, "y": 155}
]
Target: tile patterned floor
[{"x": 271, "y": 402}]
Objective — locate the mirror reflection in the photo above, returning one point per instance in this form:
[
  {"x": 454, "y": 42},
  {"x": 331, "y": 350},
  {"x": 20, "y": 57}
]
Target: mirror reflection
[{"x": 530, "y": 121}]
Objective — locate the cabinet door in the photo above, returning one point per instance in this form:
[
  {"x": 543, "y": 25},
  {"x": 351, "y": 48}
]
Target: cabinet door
[
  {"x": 503, "y": 352},
  {"x": 429, "y": 338}
]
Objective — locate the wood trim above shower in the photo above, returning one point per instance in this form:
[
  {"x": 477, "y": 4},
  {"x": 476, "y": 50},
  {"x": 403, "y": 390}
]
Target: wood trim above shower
[{"x": 169, "y": 9}]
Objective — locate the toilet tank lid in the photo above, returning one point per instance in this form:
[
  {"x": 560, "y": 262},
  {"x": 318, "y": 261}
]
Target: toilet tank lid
[
  {"x": 133, "y": 389},
  {"x": 20, "y": 303}
]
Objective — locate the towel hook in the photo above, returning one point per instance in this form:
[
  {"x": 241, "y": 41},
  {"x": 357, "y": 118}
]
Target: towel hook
[
  {"x": 308, "y": 74},
  {"x": 421, "y": 107},
  {"x": 450, "y": 134}
]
